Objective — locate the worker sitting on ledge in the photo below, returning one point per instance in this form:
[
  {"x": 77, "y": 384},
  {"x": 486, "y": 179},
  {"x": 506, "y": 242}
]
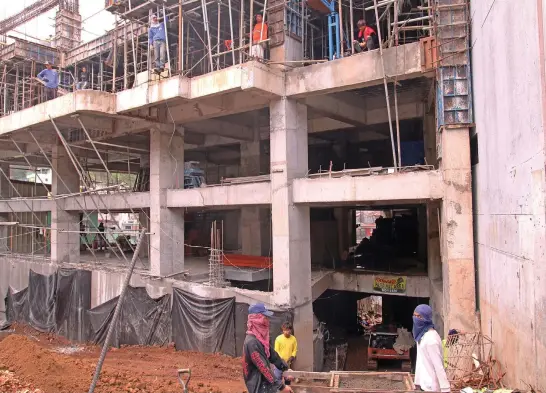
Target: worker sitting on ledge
[
  {"x": 366, "y": 37},
  {"x": 157, "y": 36},
  {"x": 51, "y": 79}
]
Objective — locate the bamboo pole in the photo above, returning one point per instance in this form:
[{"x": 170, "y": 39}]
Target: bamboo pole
[
  {"x": 385, "y": 84},
  {"x": 352, "y": 26},
  {"x": 241, "y": 30},
  {"x": 180, "y": 38},
  {"x": 251, "y": 14},
  {"x": 340, "y": 12},
  {"x": 125, "y": 58},
  {"x": 231, "y": 33},
  {"x": 218, "y": 37}
]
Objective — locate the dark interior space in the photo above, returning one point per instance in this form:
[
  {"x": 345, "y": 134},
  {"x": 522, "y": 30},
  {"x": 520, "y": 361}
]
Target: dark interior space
[
  {"x": 367, "y": 239},
  {"x": 338, "y": 311}
]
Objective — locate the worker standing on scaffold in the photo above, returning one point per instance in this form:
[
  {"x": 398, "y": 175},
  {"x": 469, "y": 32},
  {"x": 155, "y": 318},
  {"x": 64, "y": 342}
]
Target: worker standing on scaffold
[
  {"x": 157, "y": 37},
  {"x": 259, "y": 35}
]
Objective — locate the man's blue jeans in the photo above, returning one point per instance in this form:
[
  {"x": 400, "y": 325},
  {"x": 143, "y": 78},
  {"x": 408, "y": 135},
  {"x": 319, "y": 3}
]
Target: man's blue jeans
[{"x": 160, "y": 52}]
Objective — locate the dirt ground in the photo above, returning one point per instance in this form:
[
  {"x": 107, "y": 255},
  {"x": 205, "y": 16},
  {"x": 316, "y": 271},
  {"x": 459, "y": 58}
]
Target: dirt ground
[{"x": 32, "y": 362}]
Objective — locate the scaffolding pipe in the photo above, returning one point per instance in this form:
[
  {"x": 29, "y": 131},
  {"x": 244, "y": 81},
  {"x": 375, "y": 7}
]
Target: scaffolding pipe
[
  {"x": 231, "y": 33},
  {"x": 117, "y": 311},
  {"x": 180, "y": 38},
  {"x": 167, "y": 40},
  {"x": 352, "y": 26},
  {"x": 340, "y": 12},
  {"x": 385, "y": 84}
]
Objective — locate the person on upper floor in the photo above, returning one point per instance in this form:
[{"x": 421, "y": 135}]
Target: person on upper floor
[
  {"x": 366, "y": 37},
  {"x": 259, "y": 35},
  {"x": 83, "y": 79},
  {"x": 51, "y": 79},
  {"x": 157, "y": 38}
]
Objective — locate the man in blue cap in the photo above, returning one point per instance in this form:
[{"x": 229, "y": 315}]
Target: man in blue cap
[
  {"x": 258, "y": 355},
  {"x": 51, "y": 79}
]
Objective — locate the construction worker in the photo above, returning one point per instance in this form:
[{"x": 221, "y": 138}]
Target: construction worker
[
  {"x": 430, "y": 374},
  {"x": 51, "y": 79},
  {"x": 83, "y": 79},
  {"x": 366, "y": 37},
  {"x": 258, "y": 354},
  {"x": 259, "y": 34},
  {"x": 286, "y": 344},
  {"x": 157, "y": 37}
]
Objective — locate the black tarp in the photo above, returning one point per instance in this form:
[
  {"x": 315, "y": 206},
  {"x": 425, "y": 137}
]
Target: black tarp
[
  {"x": 202, "y": 324},
  {"x": 142, "y": 320},
  {"x": 41, "y": 301},
  {"x": 275, "y": 323},
  {"x": 17, "y": 306},
  {"x": 73, "y": 299}
]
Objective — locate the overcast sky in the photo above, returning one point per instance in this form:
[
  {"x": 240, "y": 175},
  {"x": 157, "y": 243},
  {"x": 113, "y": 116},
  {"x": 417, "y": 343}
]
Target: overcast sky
[{"x": 96, "y": 22}]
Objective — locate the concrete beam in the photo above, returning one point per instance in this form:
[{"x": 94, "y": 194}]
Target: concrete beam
[
  {"x": 355, "y": 72},
  {"x": 395, "y": 188},
  {"x": 339, "y": 110},
  {"x": 416, "y": 286},
  {"x": 20, "y": 206},
  {"x": 251, "y": 194},
  {"x": 80, "y": 101},
  {"x": 116, "y": 201},
  {"x": 153, "y": 93},
  {"x": 221, "y": 128}
]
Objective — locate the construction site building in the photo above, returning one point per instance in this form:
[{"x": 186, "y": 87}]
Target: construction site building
[{"x": 247, "y": 174}]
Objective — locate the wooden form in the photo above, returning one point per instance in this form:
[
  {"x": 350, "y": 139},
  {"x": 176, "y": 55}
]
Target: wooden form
[{"x": 331, "y": 382}]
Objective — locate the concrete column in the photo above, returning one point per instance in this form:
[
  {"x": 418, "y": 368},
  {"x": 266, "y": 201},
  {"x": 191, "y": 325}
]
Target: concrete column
[
  {"x": 291, "y": 50},
  {"x": 249, "y": 226},
  {"x": 457, "y": 244},
  {"x": 143, "y": 216},
  {"x": 167, "y": 225},
  {"x": 65, "y": 246},
  {"x": 291, "y": 231}
]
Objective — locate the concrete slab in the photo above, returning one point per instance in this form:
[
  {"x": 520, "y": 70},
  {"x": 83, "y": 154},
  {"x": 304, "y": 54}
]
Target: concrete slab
[
  {"x": 80, "y": 101},
  {"x": 396, "y": 188},
  {"x": 247, "y": 275},
  {"x": 354, "y": 72}
]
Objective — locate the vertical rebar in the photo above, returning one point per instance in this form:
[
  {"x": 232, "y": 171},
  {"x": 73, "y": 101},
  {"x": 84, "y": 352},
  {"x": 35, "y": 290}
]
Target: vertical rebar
[{"x": 115, "y": 317}]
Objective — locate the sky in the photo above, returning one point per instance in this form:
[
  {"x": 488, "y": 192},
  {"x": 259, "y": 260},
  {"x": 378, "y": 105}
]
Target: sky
[{"x": 96, "y": 20}]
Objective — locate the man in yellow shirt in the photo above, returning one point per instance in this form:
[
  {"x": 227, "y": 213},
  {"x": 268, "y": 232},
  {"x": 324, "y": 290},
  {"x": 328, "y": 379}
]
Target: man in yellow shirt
[{"x": 286, "y": 344}]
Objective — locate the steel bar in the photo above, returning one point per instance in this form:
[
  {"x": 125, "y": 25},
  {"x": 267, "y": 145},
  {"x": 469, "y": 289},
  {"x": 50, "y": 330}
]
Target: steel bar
[
  {"x": 352, "y": 26},
  {"x": 115, "y": 317},
  {"x": 340, "y": 12},
  {"x": 180, "y": 38},
  {"x": 251, "y": 31}
]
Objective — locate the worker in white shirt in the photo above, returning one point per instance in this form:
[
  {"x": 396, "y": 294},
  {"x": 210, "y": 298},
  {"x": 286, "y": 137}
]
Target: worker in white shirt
[{"x": 430, "y": 375}]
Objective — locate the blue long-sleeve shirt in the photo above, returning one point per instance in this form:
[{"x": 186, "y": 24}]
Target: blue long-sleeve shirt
[
  {"x": 52, "y": 77},
  {"x": 158, "y": 33}
]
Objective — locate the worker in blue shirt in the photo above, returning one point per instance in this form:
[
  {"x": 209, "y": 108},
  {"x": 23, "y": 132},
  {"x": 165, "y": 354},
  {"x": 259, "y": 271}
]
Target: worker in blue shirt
[
  {"x": 157, "y": 36},
  {"x": 51, "y": 79}
]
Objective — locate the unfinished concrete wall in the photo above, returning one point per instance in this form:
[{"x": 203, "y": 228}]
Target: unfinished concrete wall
[{"x": 508, "y": 84}]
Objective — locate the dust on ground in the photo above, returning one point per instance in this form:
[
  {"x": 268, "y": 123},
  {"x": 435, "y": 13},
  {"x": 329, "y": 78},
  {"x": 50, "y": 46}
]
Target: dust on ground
[{"x": 37, "y": 362}]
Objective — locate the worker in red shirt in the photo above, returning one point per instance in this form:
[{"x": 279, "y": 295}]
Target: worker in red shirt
[{"x": 366, "y": 37}]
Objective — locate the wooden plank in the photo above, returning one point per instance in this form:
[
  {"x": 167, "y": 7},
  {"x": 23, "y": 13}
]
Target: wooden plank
[{"x": 307, "y": 375}]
